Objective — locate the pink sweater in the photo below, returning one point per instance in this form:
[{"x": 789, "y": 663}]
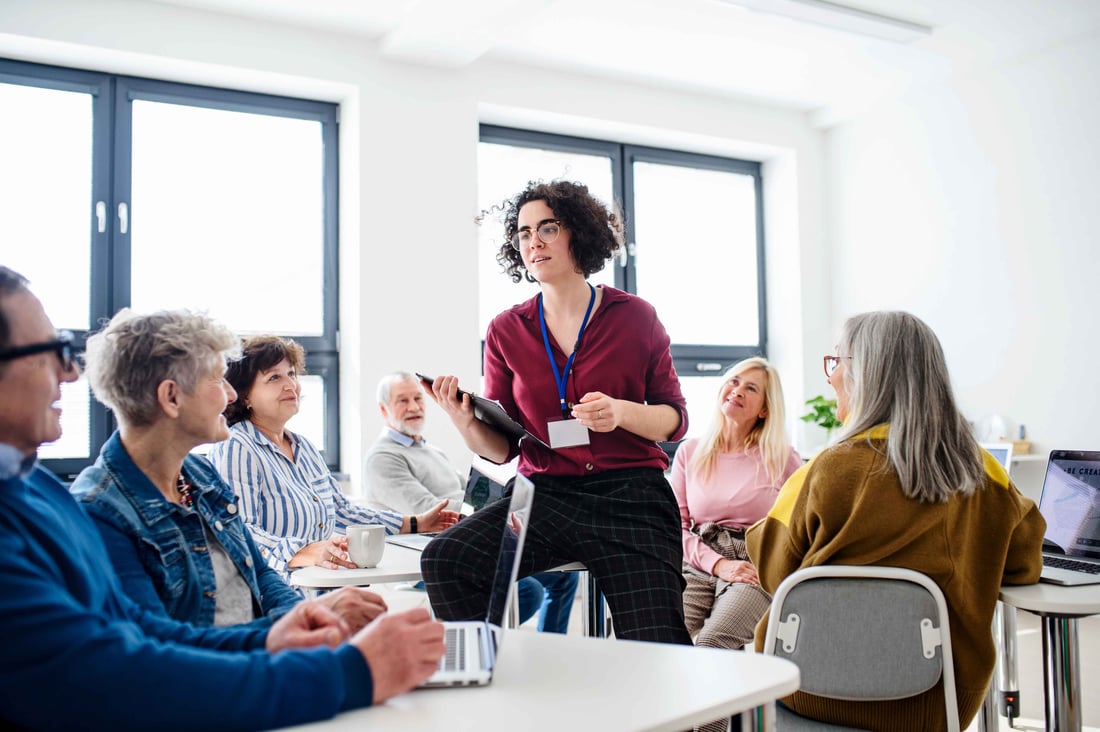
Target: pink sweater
[{"x": 738, "y": 494}]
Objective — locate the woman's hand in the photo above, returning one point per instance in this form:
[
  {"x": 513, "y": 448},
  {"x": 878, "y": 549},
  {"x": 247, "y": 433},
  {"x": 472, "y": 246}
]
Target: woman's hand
[
  {"x": 736, "y": 570},
  {"x": 355, "y": 606},
  {"x": 435, "y": 519},
  {"x": 444, "y": 390},
  {"x": 332, "y": 553},
  {"x": 308, "y": 624},
  {"x": 599, "y": 412}
]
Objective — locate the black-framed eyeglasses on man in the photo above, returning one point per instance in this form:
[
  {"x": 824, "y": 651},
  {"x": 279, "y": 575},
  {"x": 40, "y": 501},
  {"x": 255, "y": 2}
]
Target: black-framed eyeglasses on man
[
  {"x": 62, "y": 347},
  {"x": 831, "y": 362},
  {"x": 546, "y": 230}
]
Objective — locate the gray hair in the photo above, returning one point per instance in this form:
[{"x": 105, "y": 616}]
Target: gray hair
[
  {"x": 897, "y": 374},
  {"x": 11, "y": 283},
  {"x": 128, "y": 359},
  {"x": 387, "y": 382}
]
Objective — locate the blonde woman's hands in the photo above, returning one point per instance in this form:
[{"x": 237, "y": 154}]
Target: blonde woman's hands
[{"x": 736, "y": 570}]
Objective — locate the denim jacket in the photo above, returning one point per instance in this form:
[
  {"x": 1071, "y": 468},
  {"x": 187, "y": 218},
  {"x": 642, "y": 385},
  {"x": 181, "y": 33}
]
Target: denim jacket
[{"x": 159, "y": 549}]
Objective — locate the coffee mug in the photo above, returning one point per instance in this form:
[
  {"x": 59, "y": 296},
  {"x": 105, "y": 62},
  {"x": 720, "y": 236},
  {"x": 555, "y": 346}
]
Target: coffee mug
[{"x": 365, "y": 544}]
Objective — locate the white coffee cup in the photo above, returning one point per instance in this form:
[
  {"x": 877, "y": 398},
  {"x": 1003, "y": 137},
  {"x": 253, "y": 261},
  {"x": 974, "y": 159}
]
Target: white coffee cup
[{"x": 366, "y": 543}]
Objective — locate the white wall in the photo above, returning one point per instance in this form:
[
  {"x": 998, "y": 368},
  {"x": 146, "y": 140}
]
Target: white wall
[
  {"x": 409, "y": 178},
  {"x": 976, "y": 205}
]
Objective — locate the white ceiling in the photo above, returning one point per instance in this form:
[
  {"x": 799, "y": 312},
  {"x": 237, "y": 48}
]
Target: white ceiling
[{"x": 702, "y": 45}]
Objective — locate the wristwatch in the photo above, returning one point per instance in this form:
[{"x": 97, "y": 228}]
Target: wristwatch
[{"x": 412, "y": 525}]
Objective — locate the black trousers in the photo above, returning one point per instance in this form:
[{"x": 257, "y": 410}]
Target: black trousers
[{"x": 623, "y": 525}]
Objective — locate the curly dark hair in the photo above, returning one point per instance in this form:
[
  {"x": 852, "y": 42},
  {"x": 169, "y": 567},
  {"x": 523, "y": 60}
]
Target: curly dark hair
[
  {"x": 259, "y": 353},
  {"x": 595, "y": 233}
]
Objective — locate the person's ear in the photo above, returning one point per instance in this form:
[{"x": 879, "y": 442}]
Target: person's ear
[{"x": 168, "y": 398}]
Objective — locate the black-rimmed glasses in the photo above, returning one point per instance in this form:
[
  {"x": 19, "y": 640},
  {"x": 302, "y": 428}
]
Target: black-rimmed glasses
[
  {"x": 62, "y": 347},
  {"x": 831, "y": 363},
  {"x": 547, "y": 231}
]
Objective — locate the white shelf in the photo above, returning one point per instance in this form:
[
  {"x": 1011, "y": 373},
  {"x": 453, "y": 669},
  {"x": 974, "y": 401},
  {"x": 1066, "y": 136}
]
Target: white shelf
[{"x": 1029, "y": 458}]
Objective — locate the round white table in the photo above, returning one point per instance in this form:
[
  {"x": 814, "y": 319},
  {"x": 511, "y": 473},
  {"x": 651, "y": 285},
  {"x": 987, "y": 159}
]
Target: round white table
[
  {"x": 1059, "y": 608},
  {"x": 398, "y": 564}
]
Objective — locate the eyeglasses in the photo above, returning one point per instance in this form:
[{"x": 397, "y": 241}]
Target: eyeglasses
[
  {"x": 831, "y": 363},
  {"x": 63, "y": 347},
  {"x": 547, "y": 231}
]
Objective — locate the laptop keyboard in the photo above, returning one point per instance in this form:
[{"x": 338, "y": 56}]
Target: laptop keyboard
[
  {"x": 455, "y": 657},
  {"x": 1072, "y": 564}
]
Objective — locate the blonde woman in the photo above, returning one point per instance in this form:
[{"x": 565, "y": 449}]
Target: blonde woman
[{"x": 724, "y": 482}]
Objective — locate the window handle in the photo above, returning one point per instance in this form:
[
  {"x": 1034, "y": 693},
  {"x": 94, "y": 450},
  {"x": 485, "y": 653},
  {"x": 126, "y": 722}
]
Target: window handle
[
  {"x": 123, "y": 218},
  {"x": 630, "y": 249},
  {"x": 704, "y": 366},
  {"x": 100, "y": 216}
]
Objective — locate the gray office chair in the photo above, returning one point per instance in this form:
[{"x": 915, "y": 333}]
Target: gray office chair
[{"x": 862, "y": 634}]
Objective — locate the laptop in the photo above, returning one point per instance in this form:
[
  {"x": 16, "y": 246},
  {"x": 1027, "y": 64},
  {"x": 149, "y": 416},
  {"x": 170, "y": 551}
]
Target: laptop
[
  {"x": 410, "y": 541},
  {"x": 472, "y": 644},
  {"x": 480, "y": 491},
  {"x": 1070, "y": 503},
  {"x": 1002, "y": 451}
]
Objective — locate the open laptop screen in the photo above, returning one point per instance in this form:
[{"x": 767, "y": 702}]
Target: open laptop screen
[
  {"x": 511, "y": 548},
  {"x": 1071, "y": 503}
]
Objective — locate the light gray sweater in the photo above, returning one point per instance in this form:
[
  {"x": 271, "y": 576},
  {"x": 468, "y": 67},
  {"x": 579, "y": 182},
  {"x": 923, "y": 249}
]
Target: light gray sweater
[{"x": 407, "y": 476}]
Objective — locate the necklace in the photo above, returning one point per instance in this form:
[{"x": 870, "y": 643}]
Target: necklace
[{"x": 187, "y": 498}]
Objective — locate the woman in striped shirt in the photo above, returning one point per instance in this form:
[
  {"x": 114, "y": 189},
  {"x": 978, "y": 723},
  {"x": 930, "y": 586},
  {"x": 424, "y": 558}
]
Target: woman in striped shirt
[{"x": 290, "y": 500}]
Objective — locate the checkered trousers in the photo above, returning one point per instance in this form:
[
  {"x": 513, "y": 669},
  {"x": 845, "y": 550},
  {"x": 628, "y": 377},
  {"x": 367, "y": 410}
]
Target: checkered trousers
[
  {"x": 623, "y": 525},
  {"x": 720, "y": 614}
]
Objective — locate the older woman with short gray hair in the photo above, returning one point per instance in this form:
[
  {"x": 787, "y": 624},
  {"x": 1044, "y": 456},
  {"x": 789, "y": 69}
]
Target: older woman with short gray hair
[{"x": 172, "y": 527}]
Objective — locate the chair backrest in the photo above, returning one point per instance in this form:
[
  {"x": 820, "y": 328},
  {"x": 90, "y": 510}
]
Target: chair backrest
[{"x": 864, "y": 634}]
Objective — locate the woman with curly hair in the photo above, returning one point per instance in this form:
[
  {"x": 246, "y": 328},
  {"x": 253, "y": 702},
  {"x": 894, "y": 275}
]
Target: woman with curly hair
[{"x": 588, "y": 371}]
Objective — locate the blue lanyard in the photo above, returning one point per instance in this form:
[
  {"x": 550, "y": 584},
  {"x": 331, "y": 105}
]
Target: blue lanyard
[{"x": 561, "y": 378}]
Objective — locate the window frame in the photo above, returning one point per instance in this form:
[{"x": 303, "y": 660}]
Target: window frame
[
  {"x": 689, "y": 359},
  {"x": 109, "y": 251}
]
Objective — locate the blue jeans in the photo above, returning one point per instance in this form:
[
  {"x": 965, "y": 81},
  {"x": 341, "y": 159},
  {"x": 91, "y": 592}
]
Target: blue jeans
[{"x": 552, "y": 593}]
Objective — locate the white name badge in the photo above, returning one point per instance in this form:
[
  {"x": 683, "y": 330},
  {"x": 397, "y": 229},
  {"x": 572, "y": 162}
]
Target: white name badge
[{"x": 567, "y": 433}]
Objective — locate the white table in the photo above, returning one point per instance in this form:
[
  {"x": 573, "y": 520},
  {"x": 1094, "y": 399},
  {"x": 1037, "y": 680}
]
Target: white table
[
  {"x": 547, "y": 682},
  {"x": 1059, "y": 608},
  {"x": 399, "y": 564}
]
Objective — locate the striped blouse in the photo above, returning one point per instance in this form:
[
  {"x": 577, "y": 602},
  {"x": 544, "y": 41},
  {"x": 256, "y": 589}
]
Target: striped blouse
[{"x": 286, "y": 504}]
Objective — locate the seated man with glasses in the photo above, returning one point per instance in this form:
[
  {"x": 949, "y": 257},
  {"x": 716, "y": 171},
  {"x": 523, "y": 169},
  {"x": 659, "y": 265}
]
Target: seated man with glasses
[{"x": 78, "y": 654}]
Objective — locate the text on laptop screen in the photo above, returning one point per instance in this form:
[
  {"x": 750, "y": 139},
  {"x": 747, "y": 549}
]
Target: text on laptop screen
[{"x": 1071, "y": 503}]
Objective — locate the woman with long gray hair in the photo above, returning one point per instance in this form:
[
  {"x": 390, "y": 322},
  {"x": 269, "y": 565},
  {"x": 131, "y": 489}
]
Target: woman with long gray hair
[{"x": 904, "y": 485}]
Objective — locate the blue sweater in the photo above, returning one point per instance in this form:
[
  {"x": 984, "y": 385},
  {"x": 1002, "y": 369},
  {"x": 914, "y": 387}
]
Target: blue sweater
[{"x": 78, "y": 654}]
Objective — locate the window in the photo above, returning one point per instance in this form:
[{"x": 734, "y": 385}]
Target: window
[
  {"x": 695, "y": 246},
  {"x": 128, "y": 192}
]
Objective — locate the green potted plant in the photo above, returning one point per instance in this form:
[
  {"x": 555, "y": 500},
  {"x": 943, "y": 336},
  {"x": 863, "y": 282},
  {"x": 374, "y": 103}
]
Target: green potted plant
[{"x": 822, "y": 413}]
